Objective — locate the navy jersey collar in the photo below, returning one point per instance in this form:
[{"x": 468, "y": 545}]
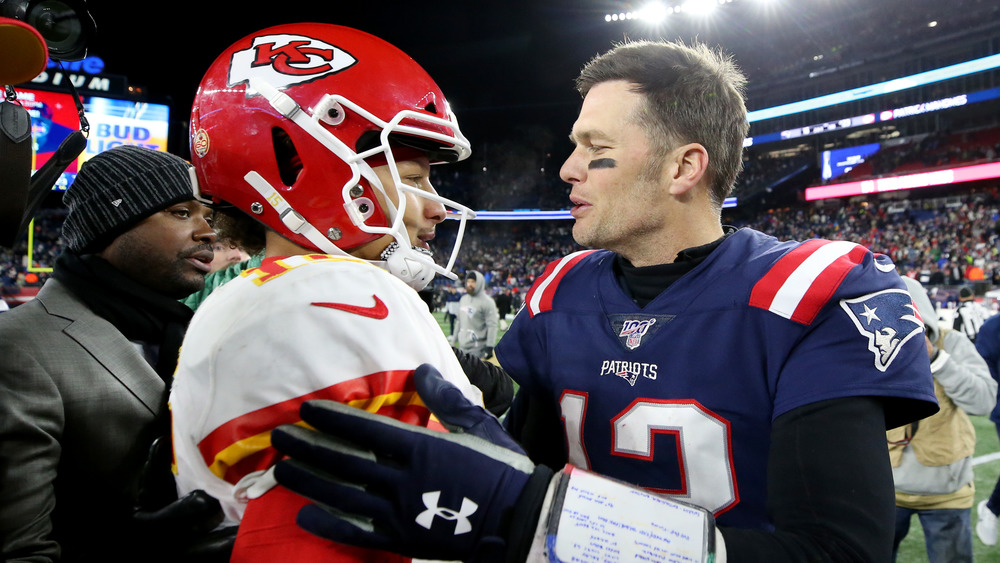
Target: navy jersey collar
[{"x": 644, "y": 283}]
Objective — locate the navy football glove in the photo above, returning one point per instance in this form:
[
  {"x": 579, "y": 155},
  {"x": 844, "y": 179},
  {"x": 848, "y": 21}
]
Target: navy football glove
[
  {"x": 383, "y": 484},
  {"x": 455, "y": 412}
]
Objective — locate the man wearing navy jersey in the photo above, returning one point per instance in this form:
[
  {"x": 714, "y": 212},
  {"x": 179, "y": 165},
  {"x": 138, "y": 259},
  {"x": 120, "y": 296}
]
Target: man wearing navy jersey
[
  {"x": 752, "y": 377},
  {"x": 723, "y": 368}
]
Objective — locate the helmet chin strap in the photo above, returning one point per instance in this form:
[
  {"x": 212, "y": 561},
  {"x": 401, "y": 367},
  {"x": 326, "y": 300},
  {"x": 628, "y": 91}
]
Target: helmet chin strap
[{"x": 411, "y": 265}]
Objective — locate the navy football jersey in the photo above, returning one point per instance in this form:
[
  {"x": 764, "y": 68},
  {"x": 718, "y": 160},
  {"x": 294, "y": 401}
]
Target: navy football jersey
[{"x": 679, "y": 396}]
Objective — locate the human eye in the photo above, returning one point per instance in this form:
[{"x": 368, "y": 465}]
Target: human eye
[{"x": 420, "y": 181}]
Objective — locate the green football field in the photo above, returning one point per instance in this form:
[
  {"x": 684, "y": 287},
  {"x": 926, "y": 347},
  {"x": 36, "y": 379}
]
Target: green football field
[{"x": 986, "y": 471}]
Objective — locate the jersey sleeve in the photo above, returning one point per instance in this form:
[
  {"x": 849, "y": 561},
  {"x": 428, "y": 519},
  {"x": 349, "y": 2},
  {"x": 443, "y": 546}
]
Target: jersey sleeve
[{"x": 859, "y": 332}]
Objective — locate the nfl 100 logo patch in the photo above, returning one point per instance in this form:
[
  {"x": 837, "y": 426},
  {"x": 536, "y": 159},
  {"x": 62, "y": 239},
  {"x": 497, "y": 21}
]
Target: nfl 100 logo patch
[{"x": 632, "y": 330}]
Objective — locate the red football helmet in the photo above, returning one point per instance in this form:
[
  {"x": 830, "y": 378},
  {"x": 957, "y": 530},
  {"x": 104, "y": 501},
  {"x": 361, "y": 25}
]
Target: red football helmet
[{"x": 284, "y": 119}]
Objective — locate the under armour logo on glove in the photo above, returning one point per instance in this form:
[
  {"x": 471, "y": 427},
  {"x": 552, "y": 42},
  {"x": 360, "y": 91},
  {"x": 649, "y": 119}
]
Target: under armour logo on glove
[
  {"x": 462, "y": 524},
  {"x": 365, "y": 472}
]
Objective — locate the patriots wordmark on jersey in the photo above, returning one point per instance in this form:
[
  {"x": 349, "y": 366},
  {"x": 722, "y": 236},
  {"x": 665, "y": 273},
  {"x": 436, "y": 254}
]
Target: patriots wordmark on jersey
[{"x": 679, "y": 396}]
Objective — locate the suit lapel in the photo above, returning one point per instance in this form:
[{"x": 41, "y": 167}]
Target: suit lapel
[{"x": 105, "y": 344}]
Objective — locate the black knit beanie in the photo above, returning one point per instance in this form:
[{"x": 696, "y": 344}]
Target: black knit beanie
[{"x": 116, "y": 189}]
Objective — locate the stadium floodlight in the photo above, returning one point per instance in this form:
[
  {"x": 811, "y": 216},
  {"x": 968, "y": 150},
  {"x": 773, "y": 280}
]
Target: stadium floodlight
[
  {"x": 656, "y": 11},
  {"x": 699, "y": 7},
  {"x": 653, "y": 12}
]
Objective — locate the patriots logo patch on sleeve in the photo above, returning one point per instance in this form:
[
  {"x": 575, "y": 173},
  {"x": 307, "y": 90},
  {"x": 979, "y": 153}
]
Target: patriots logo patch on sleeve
[{"x": 888, "y": 319}]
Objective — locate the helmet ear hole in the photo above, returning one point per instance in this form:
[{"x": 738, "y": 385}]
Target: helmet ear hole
[
  {"x": 288, "y": 160},
  {"x": 431, "y": 108}
]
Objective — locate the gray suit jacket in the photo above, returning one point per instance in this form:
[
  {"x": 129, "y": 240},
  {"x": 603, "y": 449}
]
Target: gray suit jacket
[{"x": 79, "y": 407}]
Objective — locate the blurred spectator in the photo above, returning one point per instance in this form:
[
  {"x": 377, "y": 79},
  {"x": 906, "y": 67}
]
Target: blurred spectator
[
  {"x": 217, "y": 278},
  {"x": 451, "y": 297},
  {"x": 970, "y": 315},
  {"x": 227, "y": 254},
  {"x": 503, "y": 301},
  {"x": 932, "y": 459},
  {"x": 988, "y": 346},
  {"x": 476, "y": 327}
]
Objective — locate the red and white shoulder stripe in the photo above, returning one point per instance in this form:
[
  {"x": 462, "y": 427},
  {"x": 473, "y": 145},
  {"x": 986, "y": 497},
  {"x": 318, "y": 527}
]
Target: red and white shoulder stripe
[
  {"x": 801, "y": 282},
  {"x": 543, "y": 291}
]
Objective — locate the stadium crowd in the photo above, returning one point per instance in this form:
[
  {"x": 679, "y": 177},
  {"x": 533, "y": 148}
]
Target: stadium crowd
[{"x": 943, "y": 241}]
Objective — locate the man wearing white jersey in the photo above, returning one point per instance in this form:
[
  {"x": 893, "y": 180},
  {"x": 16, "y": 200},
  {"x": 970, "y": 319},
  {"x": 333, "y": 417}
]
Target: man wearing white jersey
[{"x": 314, "y": 142}]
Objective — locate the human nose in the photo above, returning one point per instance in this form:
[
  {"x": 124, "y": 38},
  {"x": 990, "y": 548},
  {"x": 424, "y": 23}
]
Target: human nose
[
  {"x": 572, "y": 171},
  {"x": 204, "y": 232},
  {"x": 433, "y": 210}
]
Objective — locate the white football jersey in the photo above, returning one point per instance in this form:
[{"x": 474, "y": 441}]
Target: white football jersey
[{"x": 291, "y": 330}]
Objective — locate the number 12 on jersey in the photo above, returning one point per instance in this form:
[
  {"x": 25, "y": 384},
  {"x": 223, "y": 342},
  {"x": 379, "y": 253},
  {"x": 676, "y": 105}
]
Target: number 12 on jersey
[{"x": 703, "y": 441}]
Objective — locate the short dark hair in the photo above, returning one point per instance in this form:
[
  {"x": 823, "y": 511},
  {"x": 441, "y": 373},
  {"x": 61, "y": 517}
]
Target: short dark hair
[
  {"x": 694, "y": 94},
  {"x": 232, "y": 224}
]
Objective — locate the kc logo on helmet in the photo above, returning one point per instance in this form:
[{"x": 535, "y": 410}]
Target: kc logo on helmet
[{"x": 285, "y": 60}]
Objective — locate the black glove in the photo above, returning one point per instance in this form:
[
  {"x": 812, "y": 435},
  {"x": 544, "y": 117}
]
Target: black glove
[
  {"x": 383, "y": 484},
  {"x": 177, "y": 528}
]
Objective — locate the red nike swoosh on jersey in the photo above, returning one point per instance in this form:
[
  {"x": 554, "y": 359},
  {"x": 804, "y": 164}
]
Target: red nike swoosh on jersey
[{"x": 376, "y": 311}]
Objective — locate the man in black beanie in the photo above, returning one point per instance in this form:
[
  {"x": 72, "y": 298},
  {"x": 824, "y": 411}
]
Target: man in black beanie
[{"x": 87, "y": 363}]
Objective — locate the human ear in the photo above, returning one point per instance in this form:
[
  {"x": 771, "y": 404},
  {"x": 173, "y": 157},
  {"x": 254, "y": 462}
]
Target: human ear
[{"x": 689, "y": 166}]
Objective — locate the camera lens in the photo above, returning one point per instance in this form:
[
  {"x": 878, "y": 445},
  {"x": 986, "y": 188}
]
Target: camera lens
[{"x": 58, "y": 23}]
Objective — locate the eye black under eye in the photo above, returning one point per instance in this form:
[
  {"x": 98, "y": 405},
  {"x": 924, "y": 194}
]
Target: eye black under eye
[{"x": 599, "y": 163}]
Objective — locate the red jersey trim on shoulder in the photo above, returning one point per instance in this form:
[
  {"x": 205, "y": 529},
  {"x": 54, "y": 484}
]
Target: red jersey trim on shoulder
[
  {"x": 543, "y": 291},
  {"x": 243, "y": 445},
  {"x": 801, "y": 282}
]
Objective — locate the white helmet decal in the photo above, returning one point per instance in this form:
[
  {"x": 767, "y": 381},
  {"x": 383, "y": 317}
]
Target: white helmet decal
[{"x": 285, "y": 60}]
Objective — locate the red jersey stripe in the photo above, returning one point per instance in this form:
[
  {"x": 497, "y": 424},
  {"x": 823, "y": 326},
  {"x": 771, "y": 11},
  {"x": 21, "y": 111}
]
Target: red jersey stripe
[
  {"x": 800, "y": 283},
  {"x": 542, "y": 293},
  {"x": 243, "y": 436},
  {"x": 826, "y": 284},
  {"x": 767, "y": 287}
]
